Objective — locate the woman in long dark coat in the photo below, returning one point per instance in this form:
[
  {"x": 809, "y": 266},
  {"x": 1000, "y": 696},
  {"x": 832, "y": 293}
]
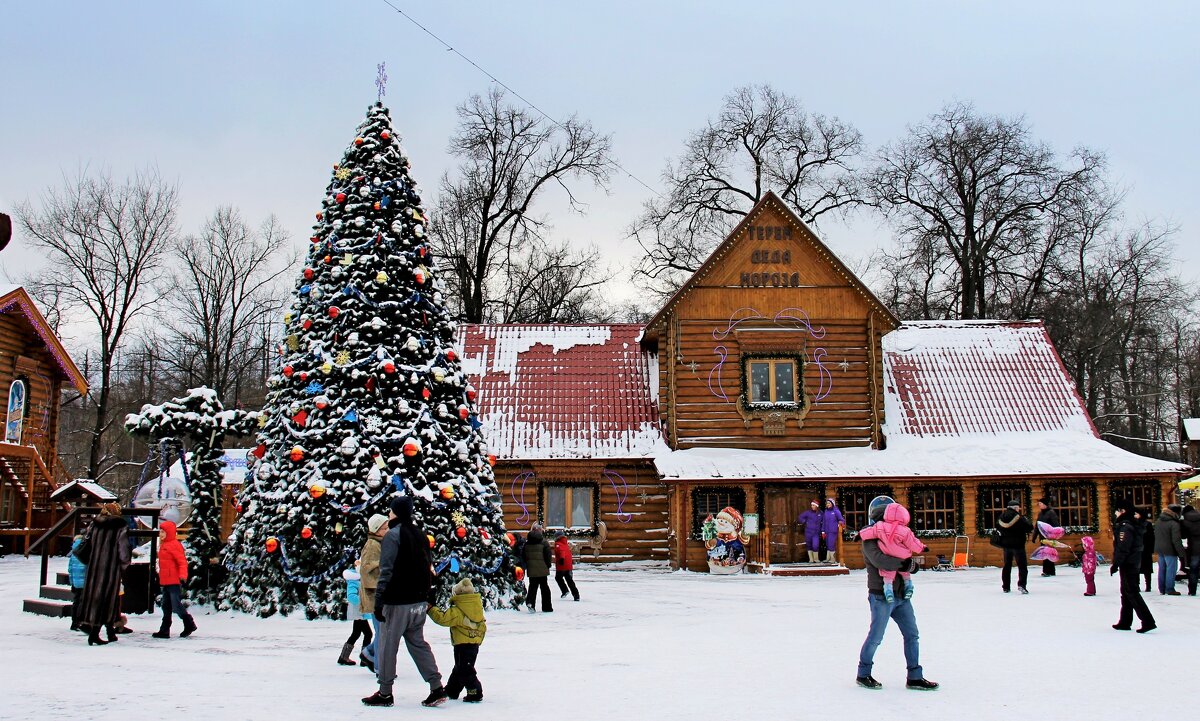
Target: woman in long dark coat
[{"x": 107, "y": 558}]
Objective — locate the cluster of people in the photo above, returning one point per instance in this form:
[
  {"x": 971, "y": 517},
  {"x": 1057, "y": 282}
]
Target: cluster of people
[
  {"x": 538, "y": 558},
  {"x": 822, "y": 527}
]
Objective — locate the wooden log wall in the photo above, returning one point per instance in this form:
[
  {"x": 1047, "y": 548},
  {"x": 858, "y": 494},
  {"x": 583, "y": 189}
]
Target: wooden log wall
[
  {"x": 23, "y": 354},
  {"x": 635, "y": 511}
]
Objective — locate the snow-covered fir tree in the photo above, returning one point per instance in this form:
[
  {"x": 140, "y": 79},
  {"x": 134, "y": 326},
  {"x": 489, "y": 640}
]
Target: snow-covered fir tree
[
  {"x": 370, "y": 399},
  {"x": 196, "y": 424}
]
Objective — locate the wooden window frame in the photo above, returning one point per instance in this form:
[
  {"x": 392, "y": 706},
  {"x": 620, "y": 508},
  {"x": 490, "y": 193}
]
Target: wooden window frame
[
  {"x": 736, "y": 499},
  {"x": 956, "y": 508},
  {"x": 1092, "y": 511},
  {"x": 850, "y": 509},
  {"x": 571, "y": 489},
  {"x": 1125, "y": 489},
  {"x": 774, "y": 415},
  {"x": 1006, "y": 491},
  {"x": 772, "y": 376}
]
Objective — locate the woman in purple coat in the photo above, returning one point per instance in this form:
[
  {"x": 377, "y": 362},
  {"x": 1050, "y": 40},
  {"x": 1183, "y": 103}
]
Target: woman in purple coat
[
  {"x": 832, "y": 521},
  {"x": 811, "y": 520}
]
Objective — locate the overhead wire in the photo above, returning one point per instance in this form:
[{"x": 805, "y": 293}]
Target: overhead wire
[{"x": 509, "y": 88}]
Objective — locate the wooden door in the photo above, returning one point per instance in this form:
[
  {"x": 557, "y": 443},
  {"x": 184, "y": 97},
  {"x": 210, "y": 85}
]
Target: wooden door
[{"x": 782, "y": 505}]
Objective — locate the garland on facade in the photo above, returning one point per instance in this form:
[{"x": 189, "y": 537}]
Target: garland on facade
[
  {"x": 734, "y": 491},
  {"x": 980, "y": 527},
  {"x": 574, "y": 533},
  {"x": 913, "y": 491},
  {"x": 1093, "y": 504},
  {"x": 1116, "y": 492}
]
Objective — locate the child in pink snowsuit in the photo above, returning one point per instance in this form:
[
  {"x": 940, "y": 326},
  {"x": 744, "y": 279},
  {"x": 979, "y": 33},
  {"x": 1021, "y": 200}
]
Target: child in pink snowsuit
[
  {"x": 896, "y": 539},
  {"x": 1089, "y": 565}
]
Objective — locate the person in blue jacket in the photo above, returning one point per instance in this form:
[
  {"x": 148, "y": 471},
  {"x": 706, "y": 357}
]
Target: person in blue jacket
[{"x": 77, "y": 570}]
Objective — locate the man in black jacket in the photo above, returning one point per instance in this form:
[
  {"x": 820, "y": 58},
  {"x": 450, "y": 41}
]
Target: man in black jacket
[
  {"x": 1049, "y": 516},
  {"x": 1127, "y": 560},
  {"x": 1190, "y": 526},
  {"x": 900, "y": 610},
  {"x": 1014, "y": 529},
  {"x": 402, "y": 600}
]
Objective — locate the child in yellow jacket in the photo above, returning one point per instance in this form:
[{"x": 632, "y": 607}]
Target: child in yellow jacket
[{"x": 467, "y": 627}]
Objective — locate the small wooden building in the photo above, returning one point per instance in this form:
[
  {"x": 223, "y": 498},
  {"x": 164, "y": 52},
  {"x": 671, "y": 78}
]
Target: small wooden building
[
  {"x": 1190, "y": 440},
  {"x": 774, "y": 377},
  {"x": 34, "y": 370}
]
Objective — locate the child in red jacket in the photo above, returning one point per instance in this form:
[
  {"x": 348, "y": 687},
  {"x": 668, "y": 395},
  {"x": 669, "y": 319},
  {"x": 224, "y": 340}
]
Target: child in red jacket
[
  {"x": 172, "y": 572},
  {"x": 564, "y": 562}
]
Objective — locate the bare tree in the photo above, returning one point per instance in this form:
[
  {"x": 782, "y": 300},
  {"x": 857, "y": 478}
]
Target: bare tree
[
  {"x": 482, "y": 225},
  {"x": 761, "y": 140},
  {"x": 104, "y": 243},
  {"x": 985, "y": 190},
  {"x": 224, "y": 293}
]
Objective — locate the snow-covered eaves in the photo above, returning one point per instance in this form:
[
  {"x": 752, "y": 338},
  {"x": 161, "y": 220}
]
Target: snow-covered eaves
[
  {"x": 94, "y": 490},
  {"x": 1191, "y": 429},
  {"x": 14, "y": 297},
  {"x": 1044, "y": 453},
  {"x": 563, "y": 391}
]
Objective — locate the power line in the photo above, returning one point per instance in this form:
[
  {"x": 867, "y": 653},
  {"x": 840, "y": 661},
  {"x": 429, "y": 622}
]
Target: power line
[{"x": 509, "y": 88}]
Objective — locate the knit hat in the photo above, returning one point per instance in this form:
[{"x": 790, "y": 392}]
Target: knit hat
[
  {"x": 376, "y": 522},
  {"x": 1175, "y": 508},
  {"x": 402, "y": 508},
  {"x": 1014, "y": 503},
  {"x": 1045, "y": 500},
  {"x": 1125, "y": 506},
  {"x": 463, "y": 586}
]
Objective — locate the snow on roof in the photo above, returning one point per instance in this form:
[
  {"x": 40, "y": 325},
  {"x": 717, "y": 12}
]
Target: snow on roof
[
  {"x": 953, "y": 378},
  {"x": 233, "y": 467},
  {"x": 1191, "y": 429},
  {"x": 563, "y": 391},
  {"x": 93, "y": 489}
]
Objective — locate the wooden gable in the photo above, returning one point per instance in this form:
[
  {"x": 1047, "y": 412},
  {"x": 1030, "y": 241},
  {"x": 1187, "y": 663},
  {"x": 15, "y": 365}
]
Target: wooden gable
[{"x": 771, "y": 293}]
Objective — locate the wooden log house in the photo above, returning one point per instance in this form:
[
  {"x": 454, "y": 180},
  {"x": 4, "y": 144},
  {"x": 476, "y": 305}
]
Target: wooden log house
[
  {"x": 773, "y": 377},
  {"x": 34, "y": 371}
]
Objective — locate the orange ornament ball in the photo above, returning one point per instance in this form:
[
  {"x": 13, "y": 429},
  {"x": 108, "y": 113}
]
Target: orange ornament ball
[
  {"x": 491, "y": 459},
  {"x": 358, "y": 141},
  {"x": 448, "y": 493},
  {"x": 460, "y": 532},
  {"x": 296, "y": 454},
  {"x": 510, "y": 539},
  {"x": 412, "y": 447},
  {"x": 316, "y": 491},
  {"x": 272, "y": 544},
  {"x": 431, "y": 541},
  {"x": 520, "y": 573},
  {"x": 306, "y": 532}
]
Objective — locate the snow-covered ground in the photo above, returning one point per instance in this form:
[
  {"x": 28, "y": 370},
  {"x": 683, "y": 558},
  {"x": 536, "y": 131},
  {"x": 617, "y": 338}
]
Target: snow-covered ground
[{"x": 643, "y": 644}]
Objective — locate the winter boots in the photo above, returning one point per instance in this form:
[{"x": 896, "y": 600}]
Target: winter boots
[
  {"x": 436, "y": 697},
  {"x": 379, "y": 699},
  {"x": 474, "y": 695},
  {"x": 189, "y": 627},
  {"x": 344, "y": 659}
]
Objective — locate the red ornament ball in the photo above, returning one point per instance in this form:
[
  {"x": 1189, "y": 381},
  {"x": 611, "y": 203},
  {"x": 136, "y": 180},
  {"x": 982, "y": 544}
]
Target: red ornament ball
[
  {"x": 385, "y": 135},
  {"x": 460, "y": 532},
  {"x": 334, "y": 311},
  {"x": 463, "y": 412},
  {"x": 340, "y": 197},
  {"x": 358, "y": 141},
  {"x": 306, "y": 324},
  {"x": 303, "y": 376},
  {"x": 288, "y": 371},
  {"x": 451, "y": 355},
  {"x": 306, "y": 532},
  {"x": 510, "y": 539},
  {"x": 425, "y": 393},
  {"x": 309, "y": 273},
  {"x": 376, "y": 206},
  {"x": 412, "y": 447},
  {"x": 491, "y": 459},
  {"x": 520, "y": 573},
  {"x": 272, "y": 544},
  {"x": 296, "y": 454},
  {"x": 320, "y": 215},
  {"x": 470, "y": 393},
  {"x": 389, "y": 367},
  {"x": 315, "y": 239}
]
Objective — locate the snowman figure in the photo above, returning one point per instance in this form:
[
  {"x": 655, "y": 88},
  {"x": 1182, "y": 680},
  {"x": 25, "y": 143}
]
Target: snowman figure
[{"x": 725, "y": 542}]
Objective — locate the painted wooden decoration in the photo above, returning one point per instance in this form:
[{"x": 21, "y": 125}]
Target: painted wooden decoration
[{"x": 16, "y": 413}]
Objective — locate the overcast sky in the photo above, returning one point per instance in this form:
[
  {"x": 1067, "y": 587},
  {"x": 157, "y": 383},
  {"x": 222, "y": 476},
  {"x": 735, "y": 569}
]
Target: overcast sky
[{"x": 250, "y": 103}]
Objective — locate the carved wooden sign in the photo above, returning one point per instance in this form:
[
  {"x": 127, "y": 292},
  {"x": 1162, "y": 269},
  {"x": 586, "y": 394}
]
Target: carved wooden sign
[{"x": 777, "y": 261}]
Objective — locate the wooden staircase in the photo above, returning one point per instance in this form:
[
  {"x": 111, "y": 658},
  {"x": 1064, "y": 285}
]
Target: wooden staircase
[
  {"x": 54, "y": 599},
  {"x": 25, "y": 487}
]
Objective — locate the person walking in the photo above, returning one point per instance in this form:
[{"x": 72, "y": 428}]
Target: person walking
[
  {"x": 172, "y": 572},
  {"x": 1189, "y": 526},
  {"x": 77, "y": 570},
  {"x": 537, "y": 569},
  {"x": 564, "y": 565},
  {"x": 1088, "y": 563},
  {"x": 1147, "y": 528},
  {"x": 1127, "y": 558},
  {"x": 810, "y": 520},
  {"x": 368, "y": 571},
  {"x": 360, "y": 625},
  {"x": 1168, "y": 544},
  {"x": 832, "y": 521},
  {"x": 467, "y": 626},
  {"x": 105, "y": 550},
  {"x": 402, "y": 601},
  {"x": 1014, "y": 529},
  {"x": 900, "y": 610},
  {"x": 1049, "y": 516}
]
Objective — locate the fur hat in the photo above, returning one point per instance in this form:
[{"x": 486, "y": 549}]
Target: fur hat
[
  {"x": 376, "y": 522},
  {"x": 110, "y": 509},
  {"x": 463, "y": 586}
]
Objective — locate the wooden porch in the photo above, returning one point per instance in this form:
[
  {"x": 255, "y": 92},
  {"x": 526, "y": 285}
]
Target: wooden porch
[
  {"x": 758, "y": 560},
  {"x": 26, "y": 483}
]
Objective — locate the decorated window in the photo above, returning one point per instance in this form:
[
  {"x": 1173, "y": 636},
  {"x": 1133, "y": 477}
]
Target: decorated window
[
  {"x": 936, "y": 510},
  {"x": 854, "y": 503},
  {"x": 992, "y": 501},
  {"x": 710, "y": 501},
  {"x": 1076, "y": 505},
  {"x": 771, "y": 380},
  {"x": 1143, "y": 494},
  {"x": 569, "y": 506}
]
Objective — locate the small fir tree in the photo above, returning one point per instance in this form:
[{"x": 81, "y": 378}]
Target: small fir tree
[
  {"x": 197, "y": 423},
  {"x": 370, "y": 400}
]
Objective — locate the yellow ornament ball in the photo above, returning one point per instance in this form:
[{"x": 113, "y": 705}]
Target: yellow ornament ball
[
  {"x": 326, "y": 367},
  {"x": 439, "y": 375},
  {"x": 316, "y": 490},
  {"x": 381, "y": 277}
]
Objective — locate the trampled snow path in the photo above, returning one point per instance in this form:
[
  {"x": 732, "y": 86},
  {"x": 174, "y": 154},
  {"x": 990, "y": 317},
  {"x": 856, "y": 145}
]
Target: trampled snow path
[{"x": 643, "y": 644}]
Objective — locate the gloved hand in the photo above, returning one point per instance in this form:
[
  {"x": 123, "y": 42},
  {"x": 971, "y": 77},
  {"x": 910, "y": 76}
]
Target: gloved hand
[
  {"x": 379, "y": 614},
  {"x": 1112, "y": 570}
]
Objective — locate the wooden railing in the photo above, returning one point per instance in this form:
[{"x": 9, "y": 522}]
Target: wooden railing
[
  {"x": 26, "y": 473},
  {"x": 759, "y": 549}
]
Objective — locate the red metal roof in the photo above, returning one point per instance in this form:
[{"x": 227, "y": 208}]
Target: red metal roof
[
  {"x": 563, "y": 391},
  {"x": 952, "y": 378}
]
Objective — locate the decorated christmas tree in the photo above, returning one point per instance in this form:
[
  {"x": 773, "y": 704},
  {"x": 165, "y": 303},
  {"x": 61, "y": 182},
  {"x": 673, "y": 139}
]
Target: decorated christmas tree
[
  {"x": 192, "y": 429},
  {"x": 369, "y": 400}
]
